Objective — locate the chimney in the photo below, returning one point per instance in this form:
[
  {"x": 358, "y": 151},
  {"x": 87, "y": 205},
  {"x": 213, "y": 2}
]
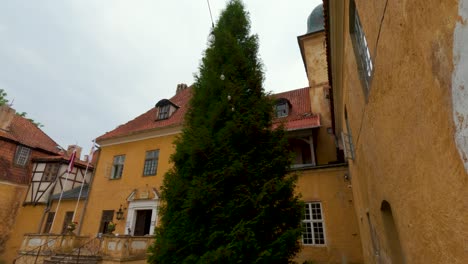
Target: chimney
[
  {"x": 70, "y": 149},
  {"x": 6, "y": 116},
  {"x": 181, "y": 87}
]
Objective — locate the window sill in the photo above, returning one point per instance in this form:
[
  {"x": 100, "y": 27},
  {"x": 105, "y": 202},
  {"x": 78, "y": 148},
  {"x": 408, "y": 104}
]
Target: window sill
[{"x": 314, "y": 245}]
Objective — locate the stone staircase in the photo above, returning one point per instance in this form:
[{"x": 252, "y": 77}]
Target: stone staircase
[{"x": 72, "y": 258}]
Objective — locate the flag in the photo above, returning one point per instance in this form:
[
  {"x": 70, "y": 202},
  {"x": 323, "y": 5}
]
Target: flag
[
  {"x": 72, "y": 161},
  {"x": 91, "y": 153}
]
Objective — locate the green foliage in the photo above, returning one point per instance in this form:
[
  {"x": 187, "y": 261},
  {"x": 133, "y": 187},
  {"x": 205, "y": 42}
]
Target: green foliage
[
  {"x": 4, "y": 100},
  {"x": 228, "y": 198}
]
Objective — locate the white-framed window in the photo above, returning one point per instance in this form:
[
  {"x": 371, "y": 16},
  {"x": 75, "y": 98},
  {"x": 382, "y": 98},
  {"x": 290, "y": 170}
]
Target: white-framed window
[
  {"x": 313, "y": 232},
  {"x": 22, "y": 155},
  {"x": 164, "y": 112},
  {"x": 117, "y": 167},
  {"x": 361, "y": 47},
  {"x": 151, "y": 162}
]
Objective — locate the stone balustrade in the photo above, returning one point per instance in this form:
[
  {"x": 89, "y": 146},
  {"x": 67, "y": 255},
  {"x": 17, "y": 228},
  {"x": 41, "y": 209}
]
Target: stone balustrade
[{"x": 112, "y": 248}]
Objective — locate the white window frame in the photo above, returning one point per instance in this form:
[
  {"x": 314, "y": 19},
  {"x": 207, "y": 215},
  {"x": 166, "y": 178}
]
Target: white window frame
[
  {"x": 117, "y": 167},
  {"x": 151, "y": 161},
  {"x": 314, "y": 223},
  {"x": 164, "y": 111},
  {"x": 361, "y": 48},
  {"x": 22, "y": 155}
]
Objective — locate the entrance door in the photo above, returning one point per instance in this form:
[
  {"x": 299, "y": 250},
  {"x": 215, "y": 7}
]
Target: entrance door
[
  {"x": 107, "y": 216},
  {"x": 143, "y": 222},
  {"x": 67, "y": 220}
]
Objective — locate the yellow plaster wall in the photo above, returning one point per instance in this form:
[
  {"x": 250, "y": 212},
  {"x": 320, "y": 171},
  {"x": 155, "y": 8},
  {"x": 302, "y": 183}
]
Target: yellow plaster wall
[
  {"x": 27, "y": 221},
  {"x": 11, "y": 197},
  {"x": 317, "y": 73},
  {"x": 329, "y": 186},
  {"x": 315, "y": 57},
  {"x": 404, "y": 134},
  {"x": 64, "y": 207},
  {"x": 109, "y": 194},
  {"x": 325, "y": 141}
]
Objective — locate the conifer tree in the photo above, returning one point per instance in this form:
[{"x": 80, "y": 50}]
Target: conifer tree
[{"x": 229, "y": 197}]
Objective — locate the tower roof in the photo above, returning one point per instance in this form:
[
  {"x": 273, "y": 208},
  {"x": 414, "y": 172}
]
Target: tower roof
[{"x": 315, "y": 22}]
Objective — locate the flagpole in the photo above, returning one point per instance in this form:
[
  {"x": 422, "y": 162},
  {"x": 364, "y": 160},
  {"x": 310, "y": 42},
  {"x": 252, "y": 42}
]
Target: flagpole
[
  {"x": 69, "y": 169},
  {"x": 60, "y": 199},
  {"x": 81, "y": 190},
  {"x": 90, "y": 159}
]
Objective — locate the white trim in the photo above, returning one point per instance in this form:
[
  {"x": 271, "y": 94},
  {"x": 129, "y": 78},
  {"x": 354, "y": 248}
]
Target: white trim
[
  {"x": 141, "y": 205},
  {"x": 322, "y": 221},
  {"x": 114, "y": 141}
]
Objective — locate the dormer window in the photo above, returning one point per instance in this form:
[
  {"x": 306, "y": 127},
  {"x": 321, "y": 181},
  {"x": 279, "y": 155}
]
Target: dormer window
[
  {"x": 282, "y": 107},
  {"x": 164, "y": 109},
  {"x": 164, "y": 112}
]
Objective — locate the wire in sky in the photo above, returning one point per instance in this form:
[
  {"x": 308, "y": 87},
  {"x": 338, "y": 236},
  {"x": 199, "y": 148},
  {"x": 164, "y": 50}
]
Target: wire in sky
[{"x": 209, "y": 8}]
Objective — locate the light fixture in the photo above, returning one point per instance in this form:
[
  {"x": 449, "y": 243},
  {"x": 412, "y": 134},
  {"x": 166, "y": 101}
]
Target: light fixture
[{"x": 120, "y": 213}]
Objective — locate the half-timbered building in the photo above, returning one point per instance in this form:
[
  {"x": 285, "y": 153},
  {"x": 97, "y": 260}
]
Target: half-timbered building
[{"x": 20, "y": 142}]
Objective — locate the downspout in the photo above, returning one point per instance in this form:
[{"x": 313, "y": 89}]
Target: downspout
[{"x": 326, "y": 18}]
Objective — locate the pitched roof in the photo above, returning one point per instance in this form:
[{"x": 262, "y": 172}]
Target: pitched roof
[
  {"x": 26, "y": 133},
  {"x": 300, "y": 115},
  {"x": 65, "y": 159},
  {"x": 147, "y": 121},
  {"x": 73, "y": 193}
]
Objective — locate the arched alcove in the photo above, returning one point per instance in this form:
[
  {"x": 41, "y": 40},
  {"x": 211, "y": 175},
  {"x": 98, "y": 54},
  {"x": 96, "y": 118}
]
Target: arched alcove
[{"x": 391, "y": 233}]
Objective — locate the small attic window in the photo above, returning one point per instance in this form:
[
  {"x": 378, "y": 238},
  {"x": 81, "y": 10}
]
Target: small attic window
[
  {"x": 164, "y": 109},
  {"x": 282, "y": 107},
  {"x": 164, "y": 112}
]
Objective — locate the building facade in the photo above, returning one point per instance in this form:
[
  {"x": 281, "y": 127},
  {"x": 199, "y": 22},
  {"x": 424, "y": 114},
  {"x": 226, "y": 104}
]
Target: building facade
[
  {"x": 398, "y": 72},
  {"x": 20, "y": 142},
  {"x": 134, "y": 157}
]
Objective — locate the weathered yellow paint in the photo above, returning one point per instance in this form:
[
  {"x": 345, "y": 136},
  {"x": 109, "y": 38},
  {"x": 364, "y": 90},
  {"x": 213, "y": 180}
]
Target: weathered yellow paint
[
  {"x": 109, "y": 194},
  {"x": 30, "y": 217},
  {"x": 313, "y": 50},
  {"x": 404, "y": 133},
  {"x": 330, "y": 187},
  {"x": 314, "y": 54},
  {"x": 10, "y": 200},
  {"x": 27, "y": 221},
  {"x": 65, "y": 206}
]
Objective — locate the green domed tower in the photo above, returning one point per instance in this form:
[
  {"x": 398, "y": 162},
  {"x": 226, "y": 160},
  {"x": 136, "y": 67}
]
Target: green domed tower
[{"x": 315, "y": 22}]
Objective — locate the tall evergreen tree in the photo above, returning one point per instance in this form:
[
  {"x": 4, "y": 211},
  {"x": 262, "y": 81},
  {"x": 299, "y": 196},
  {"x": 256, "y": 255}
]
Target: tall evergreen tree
[{"x": 228, "y": 198}]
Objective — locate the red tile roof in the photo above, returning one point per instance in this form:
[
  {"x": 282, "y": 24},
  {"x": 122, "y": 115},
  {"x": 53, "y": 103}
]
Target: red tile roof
[
  {"x": 300, "y": 115},
  {"x": 147, "y": 121},
  {"x": 64, "y": 158},
  {"x": 26, "y": 133}
]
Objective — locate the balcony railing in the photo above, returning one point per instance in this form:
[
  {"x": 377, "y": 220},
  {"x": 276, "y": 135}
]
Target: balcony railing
[{"x": 38, "y": 247}]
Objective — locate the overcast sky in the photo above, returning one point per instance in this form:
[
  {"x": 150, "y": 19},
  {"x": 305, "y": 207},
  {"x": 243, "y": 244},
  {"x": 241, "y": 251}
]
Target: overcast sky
[{"x": 83, "y": 67}]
